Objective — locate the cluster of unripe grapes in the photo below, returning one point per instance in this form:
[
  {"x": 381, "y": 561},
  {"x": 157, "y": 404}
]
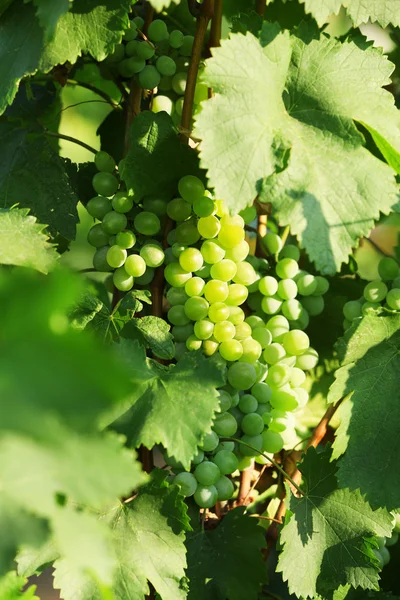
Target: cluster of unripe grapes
[
  {"x": 382, "y": 553},
  {"x": 383, "y": 292},
  {"x": 209, "y": 278},
  {"x": 123, "y": 235},
  {"x": 153, "y": 59}
]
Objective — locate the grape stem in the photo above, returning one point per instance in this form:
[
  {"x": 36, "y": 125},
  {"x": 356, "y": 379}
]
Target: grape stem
[
  {"x": 69, "y": 138},
  {"x": 216, "y": 26},
  {"x": 244, "y": 488},
  {"x": 271, "y": 460},
  {"x": 255, "y": 482},
  {"x": 261, "y": 6},
  {"x": 87, "y": 86},
  {"x": 206, "y": 12},
  {"x": 285, "y": 234}
]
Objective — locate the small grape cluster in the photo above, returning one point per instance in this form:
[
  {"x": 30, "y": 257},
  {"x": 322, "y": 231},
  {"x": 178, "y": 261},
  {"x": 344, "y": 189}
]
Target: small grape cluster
[
  {"x": 382, "y": 553},
  {"x": 209, "y": 277},
  {"x": 153, "y": 58},
  {"x": 121, "y": 238},
  {"x": 383, "y": 292}
]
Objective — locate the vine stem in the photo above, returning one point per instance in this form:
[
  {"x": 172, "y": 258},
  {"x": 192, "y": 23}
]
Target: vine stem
[
  {"x": 244, "y": 486},
  {"x": 261, "y": 5},
  {"x": 255, "y": 482},
  {"x": 206, "y": 12},
  {"x": 216, "y": 25},
  {"x": 96, "y": 90},
  {"x": 69, "y": 138}
]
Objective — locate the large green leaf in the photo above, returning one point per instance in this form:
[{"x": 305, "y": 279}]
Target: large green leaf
[
  {"x": 325, "y": 542},
  {"x": 226, "y": 561},
  {"x": 89, "y": 27},
  {"x": 33, "y": 176},
  {"x": 48, "y": 13},
  {"x": 361, "y": 11},
  {"x": 275, "y": 127},
  {"x": 148, "y": 534},
  {"x": 171, "y": 406},
  {"x": 23, "y": 242},
  {"x": 370, "y": 358}
]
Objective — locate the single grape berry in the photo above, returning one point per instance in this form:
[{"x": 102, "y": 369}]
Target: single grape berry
[
  {"x": 98, "y": 207},
  {"x": 166, "y": 65},
  {"x": 149, "y": 77},
  {"x": 121, "y": 202},
  {"x": 116, "y": 256},
  {"x": 135, "y": 265},
  {"x": 147, "y": 223},
  {"x": 145, "y": 50},
  {"x": 157, "y": 31},
  {"x": 97, "y": 237},
  {"x": 114, "y": 222},
  {"x": 105, "y": 184}
]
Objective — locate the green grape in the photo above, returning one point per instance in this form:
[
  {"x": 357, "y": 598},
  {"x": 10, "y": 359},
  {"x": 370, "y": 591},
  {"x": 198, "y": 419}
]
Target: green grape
[
  {"x": 261, "y": 370},
  {"x": 307, "y": 284},
  {"x": 196, "y": 308},
  {"x": 147, "y": 223},
  {"x": 224, "y": 331},
  {"x": 105, "y": 184},
  {"x": 237, "y": 294},
  {"x": 393, "y": 539},
  {"x": 208, "y": 227},
  {"x": 218, "y": 312},
  {"x": 149, "y": 77},
  {"x": 308, "y": 360},
  {"x": 179, "y": 110},
  {"x": 122, "y": 280},
  {"x": 370, "y": 308},
  {"x": 100, "y": 259},
  {"x": 225, "y": 446},
  {"x": 135, "y": 265},
  {"x": 153, "y": 255},
  {"x": 224, "y": 270},
  {"x": 290, "y": 251},
  {"x": 117, "y": 55},
  {"x": 176, "y": 38},
  {"x": 204, "y": 272},
  {"x": 226, "y": 461},
  {"x": 248, "y": 403},
  {"x": 166, "y": 65},
  {"x": 212, "y": 252},
  {"x": 272, "y": 442},
  {"x": 187, "y": 45},
  {"x": 206, "y": 496},
  {"x": 131, "y": 48},
  {"x": 255, "y": 441},
  {"x": 210, "y": 442},
  {"x": 175, "y": 275},
  {"x": 301, "y": 395},
  {"x": 322, "y": 286},
  {"x": 388, "y": 268},
  {"x": 191, "y": 188},
  {"x": 231, "y": 350},
  {"x": 186, "y": 233},
  {"x": 139, "y": 22},
  {"x": 187, "y": 483},
  {"x": 230, "y": 235},
  {"x": 375, "y": 291},
  {"x": 278, "y": 375},
  {"x": 182, "y": 332},
  {"x": 251, "y": 350},
  {"x": 128, "y": 67},
  {"x": 239, "y": 252},
  {"x": 203, "y": 207},
  {"x": 162, "y": 103},
  {"x": 145, "y": 50},
  {"x": 272, "y": 242},
  {"x": 177, "y": 316},
  {"x": 207, "y": 473},
  {"x": 157, "y": 31},
  {"x": 165, "y": 85},
  {"x": 248, "y": 214},
  {"x": 396, "y": 283},
  {"x": 114, "y": 222},
  {"x": 287, "y": 289},
  {"x": 177, "y": 249},
  {"x": 125, "y": 239},
  {"x": 254, "y": 321},
  {"x": 352, "y": 309},
  {"x": 245, "y": 274},
  {"x": 98, "y": 207},
  {"x": 296, "y": 342},
  {"x": 155, "y": 205},
  {"x": 179, "y": 210},
  {"x": 287, "y": 268},
  {"x": 225, "y": 424},
  {"x": 193, "y": 343},
  {"x": 210, "y": 347},
  {"x": 122, "y": 203},
  {"x": 297, "y": 377},
  {"x": 263, "y": 336},
  {"x": 274, "y": 353},
  {"x": 196, "y": 460},
  {"x": 284, "y": 399},
  {"x": 272, "y": 304},
  {"x": 130, "y": 33},
  {"x": 314, "y": 305},
  {"x": 252, "y": 424},
  {"x": 216, "y": 291},
  {"x": 242, "y": 331},
  {"x": 292, "y": 309},
  {"x": 195, "y": 286},
  {"x": 203, "y": 329},
  {"x": 97, "y": 237},
  {"x": 242, "y": 376},
  {"x": 225, "y": 488},
  {"x": 176, "y": 296},
  {"x": 146, "y": 278},
  {"x": 191, "y": 259},
  {"x": 261, "y": 392},
  {"x": 116, "y": 257},
  {"x": 393, "y": 299},
  {"x": 179, "y": 83},
  {"x": 236, "y": 315},
  {"x": 278, "y": 326}
]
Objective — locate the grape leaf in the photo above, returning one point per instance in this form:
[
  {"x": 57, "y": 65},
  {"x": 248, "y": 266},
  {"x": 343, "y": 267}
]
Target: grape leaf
[
  {"x": 32, "y": 561},
  {"x": 34, "y": 176},
  {"x": 23, "y": 50},
  {"x": 226, "y": 561},
  {"x": 325, "y": 542},
  {"x": 23, "y": 242},
  {"x": 11, "y": 586},
  {"x": 360, "y": 11},
  {"x": 157, "y": 336},
  {"x": 149, "y": 535},
  {"x": 49, "y": 12},
  {"x": 157, "y": 159},
  {"x": 171, "y": 406},
  {"x": 274, "y": 128},
  {"x": 370, "y": 358},
  {"x": 160, "y": 5}
]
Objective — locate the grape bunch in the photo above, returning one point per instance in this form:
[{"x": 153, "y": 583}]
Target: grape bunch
[
  {"x": 383, "y": 292},
  {"x": 382, "y": 553},
  {"x": 209, "y": 276},
  {"x": 124, "y": 231},
  {"x": 154, "y": 59}
]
